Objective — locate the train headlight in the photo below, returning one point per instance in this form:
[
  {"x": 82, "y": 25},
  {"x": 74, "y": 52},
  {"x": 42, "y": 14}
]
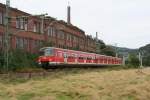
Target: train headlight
[{"x": 39, "y": 63}]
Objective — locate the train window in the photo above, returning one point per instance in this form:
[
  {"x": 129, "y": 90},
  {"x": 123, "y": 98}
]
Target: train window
[
  {"x": 76, "y": 55},
  {"x": 81, "y": 58},
  {"x": 89, "y": 58},
  {"x": 59, "y": 54},
  {"x": 71, "y": 57},
  {"x": 93, "y": 58},
  {"x": 48, "y": 52}
]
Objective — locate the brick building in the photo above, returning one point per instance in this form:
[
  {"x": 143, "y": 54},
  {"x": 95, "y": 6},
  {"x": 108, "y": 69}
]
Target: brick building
[{"x": 30, "y": 32}]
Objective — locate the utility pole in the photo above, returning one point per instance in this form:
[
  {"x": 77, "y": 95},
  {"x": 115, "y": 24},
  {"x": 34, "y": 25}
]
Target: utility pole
[
  {"x": 141, "y": 60},
  {"x": 116, "y": 49},
  {"x": 6, "y": 37},
  {"x": 123, "y": 60},
  {"x": 97, "y": 44}
]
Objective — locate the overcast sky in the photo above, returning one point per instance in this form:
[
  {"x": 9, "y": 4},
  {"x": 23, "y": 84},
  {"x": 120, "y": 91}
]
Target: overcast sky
[{"x": 125, "y": 22}]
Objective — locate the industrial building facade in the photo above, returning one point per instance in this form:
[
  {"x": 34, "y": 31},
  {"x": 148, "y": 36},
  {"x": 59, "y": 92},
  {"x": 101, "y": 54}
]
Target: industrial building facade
[{"x": 30, "y": 32}]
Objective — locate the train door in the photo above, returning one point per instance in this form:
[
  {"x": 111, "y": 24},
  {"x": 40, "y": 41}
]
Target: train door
[
  {"x": 93, "y": 59},
  {"x": 100, "y": 60},
  {"x": 96, "y": 59},
  {"x": 60, "y": 56},
  {"x": 72, "y": 58},
  {"x": 65, "y": 57},
  {"x": 76, "y": 58}
]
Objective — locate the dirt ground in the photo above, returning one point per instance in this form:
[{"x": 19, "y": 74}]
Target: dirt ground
[{"x": 84, "y": 84}]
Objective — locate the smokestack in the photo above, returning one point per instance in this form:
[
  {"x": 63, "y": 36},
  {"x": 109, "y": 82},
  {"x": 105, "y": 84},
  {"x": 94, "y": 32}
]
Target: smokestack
[
  {"x": 96, "y": 36},
  {"x": 69, "y": 14}
]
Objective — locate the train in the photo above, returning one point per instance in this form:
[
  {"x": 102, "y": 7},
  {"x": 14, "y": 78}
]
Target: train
[{"x": 52, "y": 56}]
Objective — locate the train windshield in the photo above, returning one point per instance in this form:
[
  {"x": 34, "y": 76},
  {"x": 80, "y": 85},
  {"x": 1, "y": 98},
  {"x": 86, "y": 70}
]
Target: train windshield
[{"x": 47, "y": 52}]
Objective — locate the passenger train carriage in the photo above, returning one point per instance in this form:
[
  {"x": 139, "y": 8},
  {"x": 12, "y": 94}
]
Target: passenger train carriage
[{"x": 52, "y": 56}]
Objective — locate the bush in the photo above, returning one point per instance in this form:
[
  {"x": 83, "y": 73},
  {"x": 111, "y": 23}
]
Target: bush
[
  {"x": 133, "y": 61},
  {"x": 146, "y": 60},
  {"x": 19, "y": 59},
  {"x": 109, "y": 51}
]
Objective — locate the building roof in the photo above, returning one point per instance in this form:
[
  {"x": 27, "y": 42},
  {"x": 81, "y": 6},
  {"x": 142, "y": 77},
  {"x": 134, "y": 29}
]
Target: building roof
[
  {"x": 15, "y": 9},
  {"x": 48, "y": 17},
  {"x": 71, "y": 26}
]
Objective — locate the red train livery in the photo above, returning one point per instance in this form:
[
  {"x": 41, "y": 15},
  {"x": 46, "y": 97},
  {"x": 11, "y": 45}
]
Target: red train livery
[{"x": 57, "y": 56}]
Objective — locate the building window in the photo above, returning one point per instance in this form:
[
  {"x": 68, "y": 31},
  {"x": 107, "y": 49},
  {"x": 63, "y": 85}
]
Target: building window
[
  {"x": 26, "y": 26},
  {"x": 17, "y": 23},
  {"x": 1, "y": 40},
  {"x": 60, "y": 35},
  {"x": 50, "y": 31},
  {"x": 1, "y": 18},
  {"x": 69, "y": 37},
  {"x": 36, "y": 44},
  {"x": 36, "y": 27},
  {"x": 19, "y": 43},
  {"x": 40, "y": 43},
  {"x": 25, "y": 43},
  {"x": 75, "y": 39},
  {"x": 22, "y": 23}
]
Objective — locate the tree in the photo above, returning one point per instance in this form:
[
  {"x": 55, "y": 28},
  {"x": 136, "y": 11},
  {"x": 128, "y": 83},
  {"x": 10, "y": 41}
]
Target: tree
[
  {"x": 19, "y": 59},
  {"x": 109, "y": 51},
  {"x": 133, "y": 60},
  {"x": 146, "y": 60},
  {"x": 146, "y": 54}
]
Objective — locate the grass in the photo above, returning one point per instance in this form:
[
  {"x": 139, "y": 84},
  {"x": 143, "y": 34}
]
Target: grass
[{"x": 81, "y": 84}]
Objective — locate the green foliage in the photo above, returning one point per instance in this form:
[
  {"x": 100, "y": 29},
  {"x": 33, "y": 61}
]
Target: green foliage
[
  {"x": 19, "y": 59},
  {"x": 26, "y": 96},
  {"x": 76, "y": 48},
  {"x": 1, "y": 60},
  {"x": 109, "y": 51},
  {"x": 146, "y": 61},
  {"x": 133, "y": 61},
  {"x": 146, "y": 54}
]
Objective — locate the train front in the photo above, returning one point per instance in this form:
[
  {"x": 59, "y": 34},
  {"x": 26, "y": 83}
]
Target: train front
[{"x": 47, "y": 57}]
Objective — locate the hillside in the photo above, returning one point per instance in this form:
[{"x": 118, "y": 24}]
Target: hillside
[
  {"x": 86, "y": 84},
  {"x": 145, "y": 50},
  {"x": 125, "y": 51}
]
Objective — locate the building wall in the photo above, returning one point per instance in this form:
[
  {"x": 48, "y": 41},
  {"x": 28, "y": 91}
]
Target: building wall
[{"x": 26, "y": 33}]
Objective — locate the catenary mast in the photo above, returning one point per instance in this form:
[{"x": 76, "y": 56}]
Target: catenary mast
[{"x": 6, "y": 37}]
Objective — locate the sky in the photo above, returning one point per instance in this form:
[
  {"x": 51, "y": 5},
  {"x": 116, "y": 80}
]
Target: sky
[{"x": 125, "y": 23}]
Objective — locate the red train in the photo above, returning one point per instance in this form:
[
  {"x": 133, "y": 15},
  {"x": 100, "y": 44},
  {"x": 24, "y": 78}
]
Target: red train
[{"x": 56, "y": 56}]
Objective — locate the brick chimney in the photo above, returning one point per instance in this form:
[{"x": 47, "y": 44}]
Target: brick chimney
[{"x": 69, "y": 14}]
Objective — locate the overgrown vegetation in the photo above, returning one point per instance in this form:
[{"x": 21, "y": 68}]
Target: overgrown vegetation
[
  {"x": 133, "y": 61},
  {"x": 109, "y": 51},
  {"x": 133, "y": 54},
  {"x": 19, "y": 59},
  {"x": 86, "y": 84},
  {"x": 146, "y": 54}
]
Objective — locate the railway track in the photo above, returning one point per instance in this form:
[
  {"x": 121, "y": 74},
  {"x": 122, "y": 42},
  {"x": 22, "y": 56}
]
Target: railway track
[{"x": 78, "y": 68}]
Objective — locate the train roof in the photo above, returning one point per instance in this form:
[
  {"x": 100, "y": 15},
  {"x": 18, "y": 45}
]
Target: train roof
[{"x": 75, "y": 51}]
